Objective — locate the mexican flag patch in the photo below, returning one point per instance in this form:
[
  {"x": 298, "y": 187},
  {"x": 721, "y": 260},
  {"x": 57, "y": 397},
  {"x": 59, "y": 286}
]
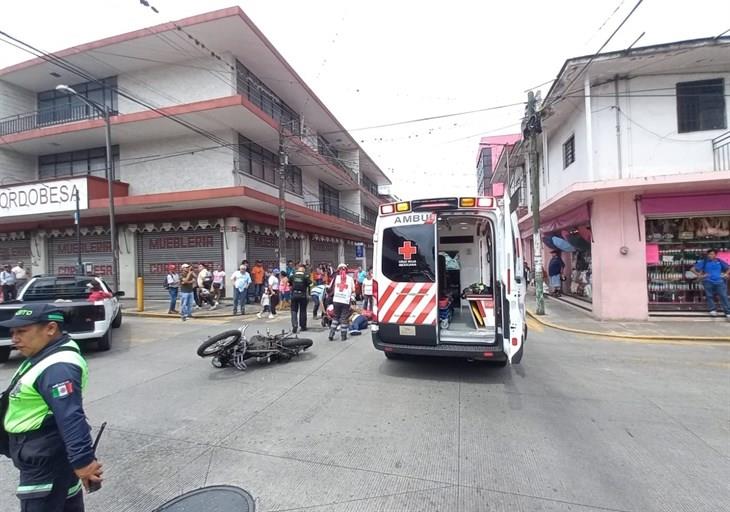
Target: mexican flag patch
[{"x": 63, "y": 389}]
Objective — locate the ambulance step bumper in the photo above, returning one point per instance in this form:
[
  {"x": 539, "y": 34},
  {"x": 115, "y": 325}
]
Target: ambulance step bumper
[{"x": 486, "y": 352}]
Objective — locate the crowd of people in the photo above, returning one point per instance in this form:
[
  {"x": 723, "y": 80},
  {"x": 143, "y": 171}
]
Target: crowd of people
[
  {"x": 12, "y": 280},
  {"x": 271, "y": 290}
]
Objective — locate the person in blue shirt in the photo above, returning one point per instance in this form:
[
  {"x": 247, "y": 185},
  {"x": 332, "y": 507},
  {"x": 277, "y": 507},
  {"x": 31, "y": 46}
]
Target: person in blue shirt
[
  {"x": 714, "y": 273},
  {"x": 555, "y": 271}
]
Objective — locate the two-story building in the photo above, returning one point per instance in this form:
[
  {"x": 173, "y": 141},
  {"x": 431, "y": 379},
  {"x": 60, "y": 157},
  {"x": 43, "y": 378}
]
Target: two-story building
[
  {"x": 200, "y": 108},
  {"x": 634, "y": 170}
]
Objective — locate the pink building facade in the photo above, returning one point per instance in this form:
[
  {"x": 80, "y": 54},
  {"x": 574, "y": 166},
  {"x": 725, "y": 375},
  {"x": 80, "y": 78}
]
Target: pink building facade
[{"x": 635, "y": 176}]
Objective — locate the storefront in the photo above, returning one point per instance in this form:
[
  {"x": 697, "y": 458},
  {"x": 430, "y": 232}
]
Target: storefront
[
  {"x": 95, "y": 248},
  {"x": 673, "y": 247},
  {"x": 351, "y": 253},
  {"x": 15, "y": 248},
  {"x": 158, "y": 247},
  {"x": 324, "y": 250},
  {"x": 262, "y": 243}
]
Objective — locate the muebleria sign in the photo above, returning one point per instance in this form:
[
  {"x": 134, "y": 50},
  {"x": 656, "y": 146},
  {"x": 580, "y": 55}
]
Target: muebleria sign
[{"x": 43, "y": 197}]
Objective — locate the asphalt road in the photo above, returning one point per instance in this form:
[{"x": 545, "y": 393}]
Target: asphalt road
[{"x": 582, "y": 425}]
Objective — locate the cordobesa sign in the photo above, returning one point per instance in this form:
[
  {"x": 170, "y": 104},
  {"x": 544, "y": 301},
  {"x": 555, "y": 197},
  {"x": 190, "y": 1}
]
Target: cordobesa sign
[{"x": 43, "y": 197}]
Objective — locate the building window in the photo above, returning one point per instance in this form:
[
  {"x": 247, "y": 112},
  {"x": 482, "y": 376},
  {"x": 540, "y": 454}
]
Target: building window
[
  {"x": 250, "y": 86},
  {"x": 569, "y": 151},
  {"x": 58, "y": 106},
  {"x": 369, "y": 216},
  {"x": 369, "y": 185},
  {"x": 701, "y": 106},
  {"x": 88, "y": 162},
  {"x": 329, "y": 199},
  {"x": 261, "y": 163}
]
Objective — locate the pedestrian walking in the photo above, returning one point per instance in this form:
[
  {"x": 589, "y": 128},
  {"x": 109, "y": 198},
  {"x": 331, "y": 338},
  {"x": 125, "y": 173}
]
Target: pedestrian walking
[
  {"x": 555, "y": 272},
  {"x": 241, "y": 282},
  {"x": 299, "y": 298},
  {"x": 265, "y": 304},
  {"x": 21, "y": 275},
  {"x": 7, "y": 279},
  {"x": 258, "y": 274},
  {"x": 714, "y": 273},
  {"x": 367, "y": 291},
  {"x": 45, "y": 430},
  {"x": 196, "y": 289},
  {"x": 219, "y": 279},
  {"x": 172, "y": 284},
  {"x": 342, "y": 290},
  {"x": 187, "y": 290}
]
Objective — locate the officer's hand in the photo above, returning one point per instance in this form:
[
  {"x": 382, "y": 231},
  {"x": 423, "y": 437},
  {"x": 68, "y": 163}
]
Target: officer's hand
[{"x": 90, "y": 473}]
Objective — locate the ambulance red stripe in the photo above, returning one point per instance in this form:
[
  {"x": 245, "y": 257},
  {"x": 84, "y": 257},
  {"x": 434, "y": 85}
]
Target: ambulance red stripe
[
  {"x": 415, "y": 302},
  {"x": 402, "y": 295}
]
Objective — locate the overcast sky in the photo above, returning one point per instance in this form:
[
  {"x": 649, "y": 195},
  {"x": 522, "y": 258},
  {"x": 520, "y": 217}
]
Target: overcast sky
[{"x": 380, "y": 61}]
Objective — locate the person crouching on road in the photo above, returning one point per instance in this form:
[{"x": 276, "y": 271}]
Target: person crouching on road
[
  {"x": 300, "y": 284},
  {"x": 43, "y": 419},
  {"x": 342, "y": 289}
]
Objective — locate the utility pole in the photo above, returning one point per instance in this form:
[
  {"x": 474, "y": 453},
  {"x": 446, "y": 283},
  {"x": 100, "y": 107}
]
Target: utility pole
[
  {"x": 531, "y": 127},
  {"x": 283, "y": 162}
]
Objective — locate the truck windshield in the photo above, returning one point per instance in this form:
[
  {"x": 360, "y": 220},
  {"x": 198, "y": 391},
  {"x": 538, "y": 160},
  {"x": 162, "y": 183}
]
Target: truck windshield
[
  {"x": 409, "y": 253},
  {"x": 52, "y": 288}
]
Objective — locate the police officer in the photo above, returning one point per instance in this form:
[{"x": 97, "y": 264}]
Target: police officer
[
  {"x": 300, "y": 284},
  {"x": 48, "y": 437}
]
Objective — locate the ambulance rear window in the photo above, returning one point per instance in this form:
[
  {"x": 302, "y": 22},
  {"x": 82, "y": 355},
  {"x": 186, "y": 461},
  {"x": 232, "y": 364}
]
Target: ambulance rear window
[{"x": 409, "y": 254}]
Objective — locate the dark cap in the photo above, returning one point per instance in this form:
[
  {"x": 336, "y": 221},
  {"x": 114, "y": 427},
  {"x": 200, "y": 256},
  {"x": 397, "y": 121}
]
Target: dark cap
[{"x": 34, "y": 314}]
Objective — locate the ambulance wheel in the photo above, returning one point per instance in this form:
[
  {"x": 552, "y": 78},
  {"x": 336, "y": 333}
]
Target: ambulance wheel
[
  {"x": 393, "y": 355},
  {"x": 105, "y": 342},
  {"x": 4, "y": 354},
  {"x": 501, "y": 364}
]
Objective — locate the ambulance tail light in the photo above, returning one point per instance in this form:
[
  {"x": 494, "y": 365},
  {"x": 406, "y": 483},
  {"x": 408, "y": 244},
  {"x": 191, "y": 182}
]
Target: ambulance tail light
[
  {"x": 467, "y": 202},
  {"x": 514, "y": 342},
  {"x": 375, "y": 299},
  {"x": 387, "y": 209},
  {"x": 485, "y": 202},
  {"x": 405, "y": 206}
]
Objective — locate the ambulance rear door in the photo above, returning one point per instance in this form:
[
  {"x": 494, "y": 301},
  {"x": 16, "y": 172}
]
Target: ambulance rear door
[
  {"x": 405, "y": 271},
  {"x": 513, "y": 313}
]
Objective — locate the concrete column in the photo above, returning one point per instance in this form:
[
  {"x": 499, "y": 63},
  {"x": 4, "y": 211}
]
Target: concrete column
[
  {"x": 340, "y": 253},
  {"x": 589, "y": 127},
  {"x": 307, "y": 251},
  {"x": 127, "y": 243},
  {"x": 619, "y": 280},
  {"x": 39, "y": 254},
  {"x": 234, "y": 249}
]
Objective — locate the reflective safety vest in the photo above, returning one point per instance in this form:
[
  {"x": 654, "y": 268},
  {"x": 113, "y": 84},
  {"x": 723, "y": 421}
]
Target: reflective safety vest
[{"x": 27, "y": 408}]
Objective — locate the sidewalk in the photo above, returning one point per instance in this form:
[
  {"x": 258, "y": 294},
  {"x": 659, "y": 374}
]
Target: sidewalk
[
  {"x": 158, "y": 309},
  {"x": 565, "y": 317}
]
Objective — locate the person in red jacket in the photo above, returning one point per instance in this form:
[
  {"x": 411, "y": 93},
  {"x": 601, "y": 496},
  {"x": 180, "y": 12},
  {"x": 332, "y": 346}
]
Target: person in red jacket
[{"x": 96, "y": 293}]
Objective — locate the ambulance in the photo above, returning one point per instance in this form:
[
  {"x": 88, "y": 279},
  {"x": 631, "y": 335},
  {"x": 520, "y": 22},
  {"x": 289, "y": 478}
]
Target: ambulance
[{"x": 448, "y": 279}]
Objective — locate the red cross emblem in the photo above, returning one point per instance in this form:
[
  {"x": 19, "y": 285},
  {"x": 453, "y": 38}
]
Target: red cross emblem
[{"x": 408, "y": 250}]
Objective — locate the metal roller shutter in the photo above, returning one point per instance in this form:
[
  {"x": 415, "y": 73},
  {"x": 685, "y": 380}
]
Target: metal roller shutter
[
  {"x": 95, "y": 249},
  {"x": 350, "y": 256},
  {"x": 369, "y": 249},
  {"x": 260, "y": 246},
  {"x": 13, "y": 251},
  {"x": 157, "y": 250},
  {"x": 324, "y": 252}
]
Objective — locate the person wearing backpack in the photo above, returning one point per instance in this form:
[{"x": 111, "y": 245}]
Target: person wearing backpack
[
  {"x": 172, "y": 285},
  {"x": 714, "y": 273}
]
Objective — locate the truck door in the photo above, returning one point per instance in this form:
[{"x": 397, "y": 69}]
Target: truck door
[
  {"x": 511, "y": 277},
  {"x": 407, "y": 281}
]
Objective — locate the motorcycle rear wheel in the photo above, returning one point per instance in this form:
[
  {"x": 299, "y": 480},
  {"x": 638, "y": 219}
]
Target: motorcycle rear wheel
[
  {"x": 300, "y": 343},
  {"x": 215, "y": 344}
]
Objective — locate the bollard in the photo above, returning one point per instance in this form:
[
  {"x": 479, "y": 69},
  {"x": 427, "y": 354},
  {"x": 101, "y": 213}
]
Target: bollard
[{"x": 140, "y": 294}]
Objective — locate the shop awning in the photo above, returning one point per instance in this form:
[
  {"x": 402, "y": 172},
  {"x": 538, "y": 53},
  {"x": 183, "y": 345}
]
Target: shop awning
[
  {"x": 572, "y": 218},
  {"x": 682, "y": 204}
]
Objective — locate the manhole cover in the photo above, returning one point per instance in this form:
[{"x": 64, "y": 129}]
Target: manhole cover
[{"x": 216, "y": 498}]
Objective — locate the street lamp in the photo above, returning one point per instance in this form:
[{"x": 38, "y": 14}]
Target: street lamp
[{"x": 106, "y": 115}]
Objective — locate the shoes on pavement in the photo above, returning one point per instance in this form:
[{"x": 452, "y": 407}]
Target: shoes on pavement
[
  {"x": 355, "y": 333},
  {"x": 271, "y": 316},
  {"x": 303, "y": 329},
  {"x": 171, "y": 312},
  {"x": 294, "y": 329},
  {"x": 258, "y": 315},
  {"x": 184, "y": 318},
  {"x": 713, "y": 313}
]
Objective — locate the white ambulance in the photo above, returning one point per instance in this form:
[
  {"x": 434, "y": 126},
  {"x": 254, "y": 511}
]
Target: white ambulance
[{"x": 449, "y": 280}]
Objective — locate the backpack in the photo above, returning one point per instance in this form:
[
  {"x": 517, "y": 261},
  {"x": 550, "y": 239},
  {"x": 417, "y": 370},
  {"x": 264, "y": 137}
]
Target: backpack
[{"x": 165, "y": 284}]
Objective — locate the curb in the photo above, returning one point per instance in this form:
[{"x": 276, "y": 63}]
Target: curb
[
  {"x": 624, "y": 336},
  {"x": 145, "y": 314}
]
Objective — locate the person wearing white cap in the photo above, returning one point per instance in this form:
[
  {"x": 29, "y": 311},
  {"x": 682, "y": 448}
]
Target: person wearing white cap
[{"x": 342, "y": 291}]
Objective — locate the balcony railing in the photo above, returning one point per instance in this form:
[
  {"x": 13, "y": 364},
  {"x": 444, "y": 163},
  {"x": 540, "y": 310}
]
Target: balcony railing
[
  {"x": 721, "y": 152},
  {"x": 47, "y": 117},
  {"x": 339, "y": 212}
]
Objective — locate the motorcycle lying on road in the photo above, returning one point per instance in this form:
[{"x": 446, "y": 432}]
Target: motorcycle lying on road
[{"x": 233, "y": 348}]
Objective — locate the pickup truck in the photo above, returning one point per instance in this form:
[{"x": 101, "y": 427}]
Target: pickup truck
[{"x": 85, "y": 320}]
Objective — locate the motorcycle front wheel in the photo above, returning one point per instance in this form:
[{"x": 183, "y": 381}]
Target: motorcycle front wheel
[
  {"x": 222, "y": 341},
  {"x": 300, "y": 343}
]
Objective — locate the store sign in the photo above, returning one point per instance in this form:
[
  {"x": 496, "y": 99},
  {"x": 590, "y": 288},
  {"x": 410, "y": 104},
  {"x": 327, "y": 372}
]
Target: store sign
[{"x": 43, "y": 197}]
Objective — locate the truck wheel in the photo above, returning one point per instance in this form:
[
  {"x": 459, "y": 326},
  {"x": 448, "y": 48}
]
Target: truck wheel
[
  {"x": 4, "y": 354},
  {"x": 117, "y": 322},
  {"x": 105, "y": 342}
]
